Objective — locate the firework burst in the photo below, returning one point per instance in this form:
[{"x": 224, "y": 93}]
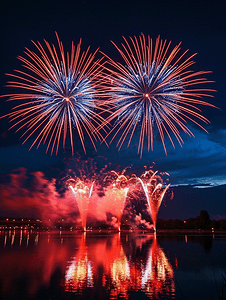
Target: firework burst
[
  {"x": 61, "y": 96},
  {"x": 155, "y": 91}
]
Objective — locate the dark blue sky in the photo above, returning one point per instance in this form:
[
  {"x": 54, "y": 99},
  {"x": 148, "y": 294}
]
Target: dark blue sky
[{"x": 201, "y": 27}]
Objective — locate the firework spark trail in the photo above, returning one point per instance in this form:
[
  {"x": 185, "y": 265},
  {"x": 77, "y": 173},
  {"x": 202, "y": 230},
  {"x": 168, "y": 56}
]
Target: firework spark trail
[
  {"x": 155, "y": 90},
  {"x": 114, "y": 196},
  {"x": 109, "y": 192},
  {"x": 61, "y": 96},
  {"x": 154, "y": 190},
  {"x": 82, "y": 192}
]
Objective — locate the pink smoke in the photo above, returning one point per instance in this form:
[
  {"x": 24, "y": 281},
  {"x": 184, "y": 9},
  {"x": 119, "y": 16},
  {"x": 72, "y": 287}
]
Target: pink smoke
[
  {"x": 33, "y": 194},
  {"x": 139, "y": 221}
]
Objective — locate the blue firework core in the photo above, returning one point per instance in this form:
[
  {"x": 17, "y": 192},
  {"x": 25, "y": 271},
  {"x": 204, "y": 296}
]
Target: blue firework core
[
  {"x": 72, "y": 91},
  {"x": 145, "y": 91}
]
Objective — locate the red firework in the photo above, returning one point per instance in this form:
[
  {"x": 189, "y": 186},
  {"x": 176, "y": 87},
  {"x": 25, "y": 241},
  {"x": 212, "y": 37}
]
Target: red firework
[
  {"x": 61, "y": 95},
  {"x": 154, "y": 90}
]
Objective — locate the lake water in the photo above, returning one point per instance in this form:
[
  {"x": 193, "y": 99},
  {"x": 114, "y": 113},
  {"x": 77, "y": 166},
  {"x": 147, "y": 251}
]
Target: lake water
[{"x": 65, "y": 265}]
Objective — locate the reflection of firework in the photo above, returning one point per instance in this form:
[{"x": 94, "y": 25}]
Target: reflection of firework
[
  {"x": 61, "y": 96},
  {"x": 158, "y": 276},
  {"x": 79, "y": 272},
  {"x": 103, "y": 264},
  {"x": 155, "y": 89}
]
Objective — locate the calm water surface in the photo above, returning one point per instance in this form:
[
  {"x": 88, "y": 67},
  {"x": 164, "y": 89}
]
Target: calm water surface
[{"x": 63, "y": 265}]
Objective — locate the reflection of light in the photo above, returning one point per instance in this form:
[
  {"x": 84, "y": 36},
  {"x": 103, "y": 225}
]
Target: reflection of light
[
  {"x": 147, "y": 272},
  {"x": 120, "y": 268},
  {"x": 80, "y": 271},
  {"x": 117, "y": 272},
  {"x": 120, "y": 275},
  {"x": 36, "y": 239},
  {"x": 21, "y": 236},
  {"x": 186, "y": 238},
  {"x": 13, "y": 237},
  {"x": 36, "y": 265},
  {"x": 175, "y": 262},
  {"x": 135, "y": 276},
  {"x": 158, "y": 276},
  {"x": 89, "y": 275},
  {"x": 27, "y": 238},
  {"x": 5, "y": 240},
  {"x": 77, "y": 271}
]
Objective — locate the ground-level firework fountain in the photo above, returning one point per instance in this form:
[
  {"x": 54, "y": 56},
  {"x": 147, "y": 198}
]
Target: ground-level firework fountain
[
  {"x": 82, "y": 192},
  {"x": 112, "y": 191},
  {"x": 154, "y": 192}
]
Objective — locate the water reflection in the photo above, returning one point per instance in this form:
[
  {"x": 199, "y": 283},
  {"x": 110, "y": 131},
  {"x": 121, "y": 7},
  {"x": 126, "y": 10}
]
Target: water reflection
[
  {"x": 158, "y": 277},
  {"x": 104, "y": 266},
  {"x": 79, "y": 274},
  {"x": 105, "y": 259},
  {"x": 27, "y": 264}
]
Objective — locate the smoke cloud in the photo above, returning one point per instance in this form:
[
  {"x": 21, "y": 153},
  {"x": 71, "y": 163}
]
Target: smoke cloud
[
  {"x": 117, "y": 199},
  {"x": 33, "y": 195}
]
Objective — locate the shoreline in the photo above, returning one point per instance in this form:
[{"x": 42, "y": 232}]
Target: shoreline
[{"x": 112, "y": 231}]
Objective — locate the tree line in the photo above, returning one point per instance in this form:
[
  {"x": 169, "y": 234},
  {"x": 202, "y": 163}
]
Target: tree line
[{"x": 200, "y": 222}]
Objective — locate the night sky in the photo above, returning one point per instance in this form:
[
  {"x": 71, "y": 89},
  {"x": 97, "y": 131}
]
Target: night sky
[{"x": 197, "y": 170}]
